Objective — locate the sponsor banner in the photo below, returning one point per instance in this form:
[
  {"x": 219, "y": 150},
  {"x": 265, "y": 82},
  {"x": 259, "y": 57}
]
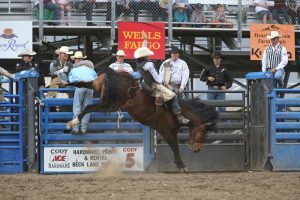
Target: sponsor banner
[
  {"x": 87, "y": 159},
  {"x": 259, "y": 41},
  {"x": 130, "y": 38},
  {"x": 14, "y": 37}
]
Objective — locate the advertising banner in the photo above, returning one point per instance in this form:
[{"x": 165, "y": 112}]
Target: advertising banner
[
  {"x": 259, "y": 41},
  {"x": 14, "y": 37},
  {"x": 130, "y": 38},
  {"x": 88, "y": 159}
]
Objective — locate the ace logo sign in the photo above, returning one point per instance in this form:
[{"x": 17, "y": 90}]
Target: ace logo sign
[{"x": 259, "y": 41}]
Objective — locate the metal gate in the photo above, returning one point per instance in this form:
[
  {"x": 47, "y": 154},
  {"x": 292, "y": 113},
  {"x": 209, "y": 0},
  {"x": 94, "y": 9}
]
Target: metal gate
[
  {"x": 11, "y": 127},
  {"x": 109, "y": 139},
  {"x": 285, "y": 129},
  {"x": 224, "y": 150}
]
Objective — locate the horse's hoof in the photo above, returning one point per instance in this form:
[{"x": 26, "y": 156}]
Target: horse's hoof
[
  {"x": 191, "y": 147},
  {"x": 197, "y": 147},
  {"x": 182, "y": 170}
]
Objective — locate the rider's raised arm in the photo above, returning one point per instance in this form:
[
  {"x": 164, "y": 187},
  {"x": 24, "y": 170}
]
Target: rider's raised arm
[
  {"x": 145, "y": 42},
  {"x": 149, "y": 66}
]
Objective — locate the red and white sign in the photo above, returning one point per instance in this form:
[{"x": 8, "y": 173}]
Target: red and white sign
[
  {"x": 84, "y": 159},
  {"x": 130, "y": 38}
]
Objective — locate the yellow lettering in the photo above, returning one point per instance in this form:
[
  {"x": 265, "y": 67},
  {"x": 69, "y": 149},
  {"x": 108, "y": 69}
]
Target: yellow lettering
[{"x": 127, "y": 35}]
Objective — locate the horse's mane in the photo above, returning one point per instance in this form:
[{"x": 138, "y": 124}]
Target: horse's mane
[{"x": 114, "y": 89}]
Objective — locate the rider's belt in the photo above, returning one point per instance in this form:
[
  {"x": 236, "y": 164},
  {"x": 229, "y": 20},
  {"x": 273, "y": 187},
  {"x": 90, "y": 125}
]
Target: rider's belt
[
  {"x": 214, "y": 87},
  {"x": 177, "y": 86}
]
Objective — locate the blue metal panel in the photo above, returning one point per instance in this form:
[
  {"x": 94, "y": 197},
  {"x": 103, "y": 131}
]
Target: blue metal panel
[
  {"x": 258, "y": 75},
  {"x": 53, "y": 126},
  {"x": 11, "y": 137},
  {"x": 285, "y": 135}
]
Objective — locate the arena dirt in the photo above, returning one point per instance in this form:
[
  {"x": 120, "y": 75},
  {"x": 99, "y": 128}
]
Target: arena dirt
[{"x": 115, "y": 185}]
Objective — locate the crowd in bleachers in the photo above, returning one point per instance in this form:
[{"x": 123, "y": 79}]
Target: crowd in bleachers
[{"x": 184, "y": 14}]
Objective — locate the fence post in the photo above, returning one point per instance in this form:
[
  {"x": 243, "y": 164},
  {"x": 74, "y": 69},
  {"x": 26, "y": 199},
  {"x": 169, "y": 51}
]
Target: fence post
[{"x": 259, "y": 84}]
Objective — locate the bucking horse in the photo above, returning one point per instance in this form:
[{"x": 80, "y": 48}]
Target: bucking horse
[{"x": 119, "y": 90}]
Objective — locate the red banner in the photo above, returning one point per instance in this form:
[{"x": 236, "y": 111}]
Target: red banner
[{"x": 130, "y": 38}]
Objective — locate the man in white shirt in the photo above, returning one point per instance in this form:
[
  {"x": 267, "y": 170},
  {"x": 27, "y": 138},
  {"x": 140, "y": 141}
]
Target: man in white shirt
[
  {"x": 175, "y": 72},
  {"x": 120, "y": 65},
  {"x": 275, "y": 58}
]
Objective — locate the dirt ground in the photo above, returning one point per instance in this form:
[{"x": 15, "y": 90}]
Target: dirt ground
[{"x": 220, "y": 186}]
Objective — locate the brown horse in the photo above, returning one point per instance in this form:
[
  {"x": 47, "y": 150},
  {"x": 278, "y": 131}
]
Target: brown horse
[{"x": 121, "y": 90}]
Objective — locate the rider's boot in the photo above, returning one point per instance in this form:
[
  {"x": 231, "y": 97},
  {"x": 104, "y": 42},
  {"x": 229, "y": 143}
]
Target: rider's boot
[{"x": 181, "y": 119}]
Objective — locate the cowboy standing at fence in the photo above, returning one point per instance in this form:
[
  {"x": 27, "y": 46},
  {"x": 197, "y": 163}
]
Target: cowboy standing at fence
[
  {"x": 61, "y": 65},
  {"x": 152, "y": 79},
  {"x": 120, "y": 65},
  {"x": 83, "y": 70},
  {"x": 274, "y": 59},
  {"x": 217, "y": 77},
  {"x": 175, "y": 73},
  {"x": 27, "y": 63}
]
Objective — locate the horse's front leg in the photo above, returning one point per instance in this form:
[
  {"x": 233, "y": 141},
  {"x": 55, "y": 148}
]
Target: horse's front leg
[{"x": 172, "y": 141}]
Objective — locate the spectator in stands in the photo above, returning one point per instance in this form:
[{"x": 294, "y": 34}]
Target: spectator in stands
[
  {"x": 122, "y": 6},
  {"x": 152, "y": 6},
  {"x": 279, "y": 8},
  {"x": 294, "y": 10},
  {"x": 275, "y": 58},
  {"x": 48, "y": 4},
  {"x": 64, "y": 5},
  {"x": 88, "y": 6},
  {"x": 261, "y": 9},
  {"x": 27, "y": 63},
  {"x": 120, "y": 65},
  {"x": 220, "y": 17},
  {"x": 175, "y": 73},
  {"x": 217, "y": 77},
  {"x": 198, "y": 15},
  {"x": 181, "y": 15},
  {"x": 83, "y": 70},
  {"x": 61, "y": 66}
]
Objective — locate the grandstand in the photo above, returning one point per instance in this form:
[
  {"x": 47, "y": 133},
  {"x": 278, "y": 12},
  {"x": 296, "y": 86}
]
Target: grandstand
[{"x": 98, "y": 41}]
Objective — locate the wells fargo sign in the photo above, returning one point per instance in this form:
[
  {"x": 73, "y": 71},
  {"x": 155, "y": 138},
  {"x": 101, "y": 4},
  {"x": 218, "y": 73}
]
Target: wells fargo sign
[
  {"x": 259, "y": 41},
  {"x": 130, "y": 38}
]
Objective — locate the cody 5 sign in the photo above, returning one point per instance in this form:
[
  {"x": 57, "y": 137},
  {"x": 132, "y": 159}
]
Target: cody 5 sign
[
  {"x": 259, "y": 41},
  {"x": 130, "y": 38}
]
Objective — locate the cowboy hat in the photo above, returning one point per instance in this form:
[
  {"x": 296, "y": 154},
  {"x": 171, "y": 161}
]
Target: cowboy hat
[
  {"x": 274, "y": 34},
  {"x": 163, "y": 3},
  {"x": 175, "y": 50},
  {"x": 63, "y": 49},
  {"x": 27, "y": 52},
  {"x": 143, "y": 52},
  {"x": 78, "y": 55},
  {"x": 180, "y": 5},
  {"x": 120, "y": 53}
]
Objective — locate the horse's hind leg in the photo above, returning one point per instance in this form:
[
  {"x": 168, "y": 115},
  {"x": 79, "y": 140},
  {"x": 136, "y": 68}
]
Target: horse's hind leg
[{"x": 172, "y": 141}]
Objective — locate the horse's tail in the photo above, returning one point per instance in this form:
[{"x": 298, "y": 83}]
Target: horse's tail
[{"x": 206, "y": 113}]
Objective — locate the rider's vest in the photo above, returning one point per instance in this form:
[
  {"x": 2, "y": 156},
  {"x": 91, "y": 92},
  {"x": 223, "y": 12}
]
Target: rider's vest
[{"x": 146, "y": 76}]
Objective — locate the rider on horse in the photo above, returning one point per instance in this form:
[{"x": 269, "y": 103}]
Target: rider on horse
[{"x": 153, "y": 80}]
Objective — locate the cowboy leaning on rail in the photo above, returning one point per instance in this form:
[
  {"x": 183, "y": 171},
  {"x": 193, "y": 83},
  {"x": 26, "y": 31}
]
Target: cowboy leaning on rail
[{"x": 152, "y": 79}]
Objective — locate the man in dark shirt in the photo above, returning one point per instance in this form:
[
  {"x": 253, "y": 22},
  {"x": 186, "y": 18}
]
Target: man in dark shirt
[
  {"x": 280, "y": 8},
  {"x": 27, "y": 63},
  {"x": 217, "y": 77}
]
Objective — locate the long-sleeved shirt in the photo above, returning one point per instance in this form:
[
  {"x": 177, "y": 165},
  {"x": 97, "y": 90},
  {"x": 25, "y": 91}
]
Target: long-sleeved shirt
[
  {"x": 274, "y": 57},
  {"x": 179, "y": 72},
  {"x": 82, "y": 73},
  {"x": 22, "y": 66},
  {"x": 180, "y": 17},
  {"x": 121, "y": 67},
  {"x": 221, "y": 74},
  {"x": 149, "y": 66}
]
